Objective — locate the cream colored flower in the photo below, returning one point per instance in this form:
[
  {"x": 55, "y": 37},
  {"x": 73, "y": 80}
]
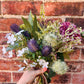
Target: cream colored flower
[{"x": 60, "y": 67}]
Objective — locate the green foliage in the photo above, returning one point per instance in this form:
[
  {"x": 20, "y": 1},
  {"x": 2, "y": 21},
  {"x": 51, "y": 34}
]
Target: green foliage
[
  {"x": 66, "y": 55},
  {"x": 28, "y": 25},
  {"x": 30, "y": 18},
  {"x": 60, "y": 56},
  {"x": 11, "y": 47}
]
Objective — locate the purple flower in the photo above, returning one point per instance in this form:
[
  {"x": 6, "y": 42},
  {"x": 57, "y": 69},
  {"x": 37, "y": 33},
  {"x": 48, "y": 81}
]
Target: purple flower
[
  {"x": 15, "y": 28},
  {"x": 46, "y": 50},
  {"x": 26, "y": 33},
  {"x": 64, "y": 27},
  {"x": 32, "y": 45}
]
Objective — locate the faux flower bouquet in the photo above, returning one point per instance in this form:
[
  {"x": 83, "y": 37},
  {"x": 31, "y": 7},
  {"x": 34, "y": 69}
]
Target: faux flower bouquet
[{"x": 45, "y": 43}]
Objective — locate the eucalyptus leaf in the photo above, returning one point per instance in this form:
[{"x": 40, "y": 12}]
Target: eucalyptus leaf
[
  {"x": 27, "y": 24},
  {"x": 30, "y": 18}
]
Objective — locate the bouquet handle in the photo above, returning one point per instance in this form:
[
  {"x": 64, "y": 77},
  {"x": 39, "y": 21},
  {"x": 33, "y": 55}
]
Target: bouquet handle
[{"x": 37, "y": 79}]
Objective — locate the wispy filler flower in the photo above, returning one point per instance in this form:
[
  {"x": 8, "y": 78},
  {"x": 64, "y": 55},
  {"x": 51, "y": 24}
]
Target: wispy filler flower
[{"x": 59, "y": 67}]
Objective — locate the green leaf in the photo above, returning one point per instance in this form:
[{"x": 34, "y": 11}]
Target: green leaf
[
  {"x": 51, "y": 73},
  {"x": 22, "y": 26},
  {"x": 33, "y": 55},
  {"x": 66, "y": 55},
  {"x": 60, "y": 56},
  {"x": 30, "y": 18},
  {"x": 35, "y": 28},
  {"x": 27, "y": 24},
  {"x": 11, "y": 47}
]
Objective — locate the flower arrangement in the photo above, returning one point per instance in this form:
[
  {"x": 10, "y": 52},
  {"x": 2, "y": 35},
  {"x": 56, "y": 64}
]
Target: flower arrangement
[{"x": 46, "y": 44}]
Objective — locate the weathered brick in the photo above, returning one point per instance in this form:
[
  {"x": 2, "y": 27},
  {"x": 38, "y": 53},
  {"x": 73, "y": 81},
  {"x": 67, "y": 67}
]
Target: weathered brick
[
  {"x": 78, "y": 78},
  {"x": 77, "y": 21},
  {"x": 75, "y": 54},
  {"x": 21, "y": 8},
  {"x": 5, "y": 23},
  {"x": 82, "y": 53},
  {"x": 10, "y": 65},
  {"x": 61, "y": 79},
  {"x": 3, "y": 39},
  {"x": 61, "y": 8},
  {"x": 0, "y": 7},
  {"x": 5, "y": 77},
  {"x": 16, "y": 76},
  {"x": 74, "y": 66}
]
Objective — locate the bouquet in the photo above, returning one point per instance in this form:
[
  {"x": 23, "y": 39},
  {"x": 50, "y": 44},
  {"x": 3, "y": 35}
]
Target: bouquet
[{"x": 45, "y": 43}]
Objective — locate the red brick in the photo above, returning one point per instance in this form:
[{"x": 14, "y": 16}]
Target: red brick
[
  {"x": 5, "y": 23},
  {"x": 62, "y": 8},
  {"x": 77, "y": 21},
  {"x": 20, "y": 8},
  {"x": 6, "y": 55},
  {"x": 5, "y": 77},
  {"x": 16, "y": 76},
  {"x": 0, "y": 7},
  {"x": 78, "y": 78},
  {"x": 74, "y": 66},
  {"x": 10, "y": 65},
  {"x": 61, "y": 79},
  {"x": 82, "y": 53},
  {"x": 2, "y": 38},
  {"x": 75, "y": 54},
  {"x": 82, "y": 66}
]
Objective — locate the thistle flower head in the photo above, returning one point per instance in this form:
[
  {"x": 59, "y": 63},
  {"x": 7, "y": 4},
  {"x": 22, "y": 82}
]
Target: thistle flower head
[
  {"x": 26, "y": 34},
  {"x": 15, "y": 28},
  {"x": 32, "y": 45},
  {"x": 46, "y": 50}
]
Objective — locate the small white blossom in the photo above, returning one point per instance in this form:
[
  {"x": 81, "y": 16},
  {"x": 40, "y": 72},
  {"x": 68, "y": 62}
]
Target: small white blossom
[
  {"x": 11, "y": 39},
  {"x": 21, "y": 69},
  {"x": 21, "y": 52},
  {"x": 42, "y": 63},
  {"x": 25, "y": 62},
  {"x": 7, "y": 35},
  {"x": 19, "y": 32},
  {"x": 10, "y": 54},
  {"x": 4, "y": 50}
]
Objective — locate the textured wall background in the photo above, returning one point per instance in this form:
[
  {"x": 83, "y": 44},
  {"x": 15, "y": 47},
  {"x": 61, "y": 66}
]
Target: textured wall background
[{"x": 65, "y": 10}]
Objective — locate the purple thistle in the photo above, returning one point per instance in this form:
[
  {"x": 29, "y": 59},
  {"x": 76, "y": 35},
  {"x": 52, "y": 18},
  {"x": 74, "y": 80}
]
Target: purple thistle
[
  {"x": 32, "y": 45},
  {"x": 46, "y": 50},
  {"x": 26, "y": 34},
  {"x": 15, "y": 28}
]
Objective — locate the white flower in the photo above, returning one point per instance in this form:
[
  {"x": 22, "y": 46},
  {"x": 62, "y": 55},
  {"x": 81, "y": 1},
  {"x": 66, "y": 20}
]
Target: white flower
[
  {"x": 10, "y": 54},
  {"x": 59, "y": 67},
  {"x": 33, "y": 64},
  {"x": 19, "y": 32},
  {"x": 50, "y": 40},
  {"x": 11, "y": 39},
  {"x": 42, "y": 63},
  {"x": 25, "y": 62},
  {"x": 21, "y": 69},
  {"x": 4, "y": 50},
  {"x": 21, "y": 52},
  {"x": 7, "y": 35}
]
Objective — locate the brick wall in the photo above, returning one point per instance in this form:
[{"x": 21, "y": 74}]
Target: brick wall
[{"x": 65, "y": 10}]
